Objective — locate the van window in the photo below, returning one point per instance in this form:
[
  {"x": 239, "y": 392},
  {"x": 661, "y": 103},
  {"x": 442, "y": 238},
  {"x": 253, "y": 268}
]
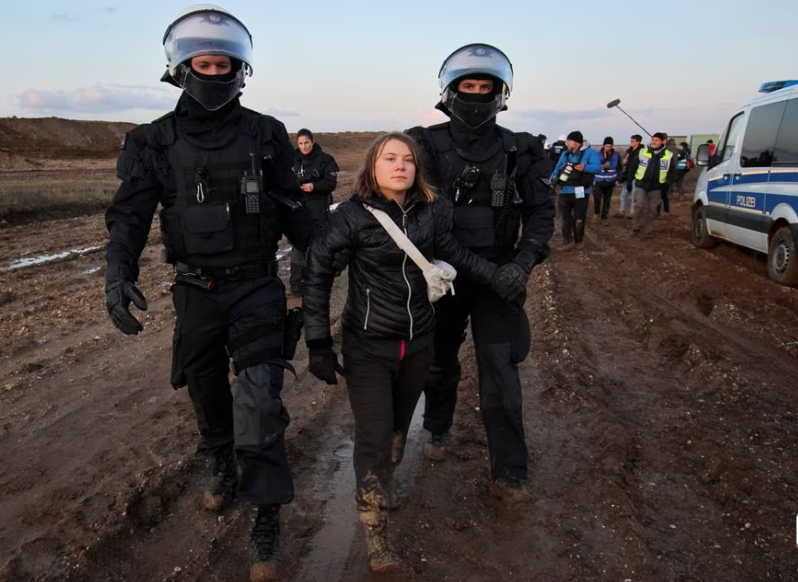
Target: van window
[
  {"x": 787, "y": 142},
  {"x": 759, "y": 143},
  {"x": 732, "y": 134}
]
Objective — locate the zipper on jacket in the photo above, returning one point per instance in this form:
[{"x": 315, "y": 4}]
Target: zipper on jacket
[
  {"x": 368, "y": 308},
  {"x": 404, "y": 274}
]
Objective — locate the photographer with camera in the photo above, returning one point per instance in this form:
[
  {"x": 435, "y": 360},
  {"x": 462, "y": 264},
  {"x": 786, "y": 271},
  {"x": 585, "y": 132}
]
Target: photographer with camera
[
  {"x": 574, "y": 172},
  {"x": 317, "y": 175}
]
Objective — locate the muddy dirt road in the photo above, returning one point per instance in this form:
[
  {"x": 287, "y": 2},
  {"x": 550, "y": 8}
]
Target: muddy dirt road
[{"x": 660, "y": 405}]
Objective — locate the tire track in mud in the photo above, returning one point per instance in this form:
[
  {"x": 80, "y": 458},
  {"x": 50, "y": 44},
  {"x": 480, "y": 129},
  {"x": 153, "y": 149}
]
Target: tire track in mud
[{"x": 642, "y": 400}]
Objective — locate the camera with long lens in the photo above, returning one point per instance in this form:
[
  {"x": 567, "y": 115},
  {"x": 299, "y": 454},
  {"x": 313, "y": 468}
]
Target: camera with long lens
[{"x": 566, "y": 172}]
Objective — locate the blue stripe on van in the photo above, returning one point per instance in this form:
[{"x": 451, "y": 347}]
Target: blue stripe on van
[{"x": 747, "y": 191}]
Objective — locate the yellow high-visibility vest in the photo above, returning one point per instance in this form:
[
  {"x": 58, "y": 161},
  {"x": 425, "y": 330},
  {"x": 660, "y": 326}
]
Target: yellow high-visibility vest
[{"x": 645, "y": 159}]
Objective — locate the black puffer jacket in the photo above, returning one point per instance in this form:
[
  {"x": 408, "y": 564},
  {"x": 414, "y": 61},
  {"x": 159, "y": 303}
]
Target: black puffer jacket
[
  {"x": 387, "y": 296},
  {"x": 318, "y": 168}
]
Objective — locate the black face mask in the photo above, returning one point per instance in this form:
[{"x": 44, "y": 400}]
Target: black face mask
[
  {"x": 211, "y": 91},
  {"x": 474, "y": 110}
]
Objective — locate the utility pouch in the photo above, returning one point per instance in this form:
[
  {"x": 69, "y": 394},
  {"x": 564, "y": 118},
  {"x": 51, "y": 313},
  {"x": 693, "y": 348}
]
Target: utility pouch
[
  {"x": 207, "y": 229},
  {"x": 474, "y": 226},
  {"x": 292, "y": 331}
]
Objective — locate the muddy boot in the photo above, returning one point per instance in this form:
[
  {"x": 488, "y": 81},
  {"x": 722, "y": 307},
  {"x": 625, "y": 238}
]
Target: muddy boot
[
  {"x": 264, "y": 544},
  {"x": 381, "y": 556},
  {"x": 435, "y": 449},
  {"x": 510, "y": 492},
  {"x": 225, "y": 478}
]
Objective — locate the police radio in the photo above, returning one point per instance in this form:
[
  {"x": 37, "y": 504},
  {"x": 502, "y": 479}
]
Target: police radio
[
  {"x": 250, "y": 188},
  {"x": 498, "y": 190}
]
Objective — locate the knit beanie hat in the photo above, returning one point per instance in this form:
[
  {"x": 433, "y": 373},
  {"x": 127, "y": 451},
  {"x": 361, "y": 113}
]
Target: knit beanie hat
[
  {"x": 608, "y": 141},
  {"x": 576, "y": 136}
]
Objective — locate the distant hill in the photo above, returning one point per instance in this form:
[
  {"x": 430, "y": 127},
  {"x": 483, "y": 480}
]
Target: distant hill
[
  {"x": 52, "y": 142},
  {"x": 56, "y": 138}
]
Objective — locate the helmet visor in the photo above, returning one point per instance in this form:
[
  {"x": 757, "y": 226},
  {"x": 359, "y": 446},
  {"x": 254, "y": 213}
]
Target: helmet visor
[
  {"x": 207, "y": 33},
  {"x": 476, "y": 59}
]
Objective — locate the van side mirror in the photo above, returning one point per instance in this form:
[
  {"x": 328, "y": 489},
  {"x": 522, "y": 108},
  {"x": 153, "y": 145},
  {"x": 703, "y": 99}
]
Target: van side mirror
[{"x": 702, "y": 155}]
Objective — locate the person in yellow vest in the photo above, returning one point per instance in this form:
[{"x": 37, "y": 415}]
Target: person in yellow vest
[{"x": 653, "y": 169}]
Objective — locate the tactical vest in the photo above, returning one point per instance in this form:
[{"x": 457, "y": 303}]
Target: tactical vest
[
  {"x": 645, "y": 160},
  {"x": 465, "y": 179},
  {"x": 205, "y": 219}
]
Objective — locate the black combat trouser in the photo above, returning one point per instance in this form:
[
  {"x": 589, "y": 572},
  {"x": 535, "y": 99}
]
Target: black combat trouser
[
  {"x": 574, "y": 214},
  {"x": 319, "y": 206},
  {"x": 385, "y": 380},
  {"x": 501, "y": 341},
  {"x": 602, "y": 198},
  {"x": 241, "y": 320}
]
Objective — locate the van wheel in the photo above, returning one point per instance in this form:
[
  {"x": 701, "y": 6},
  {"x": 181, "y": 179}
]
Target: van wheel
[
  {"x": 700, "y": 234},
  {"x": 783, "y": 258}
]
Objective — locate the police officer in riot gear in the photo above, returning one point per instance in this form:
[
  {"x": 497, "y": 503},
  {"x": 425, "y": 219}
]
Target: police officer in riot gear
[
  {"x": 495, "y": 180},
  {"x": 222, "y": 176}
]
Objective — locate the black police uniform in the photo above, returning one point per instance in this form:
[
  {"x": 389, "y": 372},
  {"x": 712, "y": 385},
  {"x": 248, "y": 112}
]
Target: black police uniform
[
  {"x": 461, "y": 163},
  {"x": 320, "y": 169},
  {"x": 229, "y": 302}
]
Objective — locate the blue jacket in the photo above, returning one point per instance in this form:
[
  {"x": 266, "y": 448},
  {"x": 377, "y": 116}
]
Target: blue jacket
[
  {"x": 587, "y": 155},
  {"x": 613, "y": 174}
]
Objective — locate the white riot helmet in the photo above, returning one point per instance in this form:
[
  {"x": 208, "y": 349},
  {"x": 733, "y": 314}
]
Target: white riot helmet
[
  {"x": 206, "y": 29},
  {"x": 475, "y": 61}
]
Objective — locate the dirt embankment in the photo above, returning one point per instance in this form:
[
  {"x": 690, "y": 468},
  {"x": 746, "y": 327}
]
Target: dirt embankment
[{"x": 53, "y": 143}]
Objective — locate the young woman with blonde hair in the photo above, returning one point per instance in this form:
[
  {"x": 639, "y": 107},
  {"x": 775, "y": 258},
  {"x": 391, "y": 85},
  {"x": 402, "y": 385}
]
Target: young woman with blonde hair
[{"x": 388, "y": 321}]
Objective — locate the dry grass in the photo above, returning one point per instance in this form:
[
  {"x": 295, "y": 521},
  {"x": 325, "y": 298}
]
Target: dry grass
[{"x": 24, "y": 195}]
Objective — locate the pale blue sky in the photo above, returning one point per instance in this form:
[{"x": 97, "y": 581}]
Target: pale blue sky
[{"x": 679, "y": 67}]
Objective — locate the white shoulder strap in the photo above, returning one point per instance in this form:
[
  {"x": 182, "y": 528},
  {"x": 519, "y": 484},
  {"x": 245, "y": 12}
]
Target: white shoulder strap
[{"x": 399, "y": 237}]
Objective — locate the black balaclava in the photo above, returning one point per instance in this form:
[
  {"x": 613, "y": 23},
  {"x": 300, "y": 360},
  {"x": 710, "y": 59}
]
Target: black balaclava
[{"x": 208, "y": 129}]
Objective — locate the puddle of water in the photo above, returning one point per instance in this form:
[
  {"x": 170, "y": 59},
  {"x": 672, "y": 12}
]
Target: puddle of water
[
  {"x": 42, "y": 259},
  {"x": 328, "y": 560},
  {"x": 283, "y": 252}
]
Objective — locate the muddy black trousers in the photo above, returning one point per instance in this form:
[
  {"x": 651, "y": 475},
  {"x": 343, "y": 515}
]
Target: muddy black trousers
[
  {"x": 574, "y": 214},
  {"x": 241, "y": 320},
  {"x": 501, "y": 341},
  {"x": 385, "y": 380}
]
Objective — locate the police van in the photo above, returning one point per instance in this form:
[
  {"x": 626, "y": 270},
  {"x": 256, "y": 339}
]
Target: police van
[{"x": 748, "y": 194}]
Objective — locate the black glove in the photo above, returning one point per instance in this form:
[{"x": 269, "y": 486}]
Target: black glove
[
  {"x": 509, "y": 283},
  {"x": 322, "y": 361},
  {"x": 526, "y": 260},
  {"x": 120, "y": 290}
]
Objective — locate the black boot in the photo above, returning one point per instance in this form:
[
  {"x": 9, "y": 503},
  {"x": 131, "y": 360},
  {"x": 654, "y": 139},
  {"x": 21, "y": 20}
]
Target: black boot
[
  {"x": 264, "y": 544},
  {"x": 225, "y": 479}
]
